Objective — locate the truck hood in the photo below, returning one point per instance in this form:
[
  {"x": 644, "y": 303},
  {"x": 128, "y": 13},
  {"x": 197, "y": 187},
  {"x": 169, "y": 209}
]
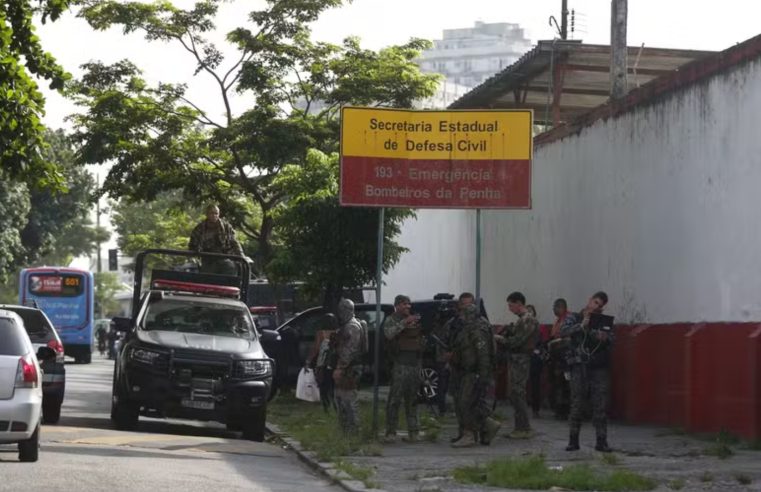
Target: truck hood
[{"x": 194, "y": 341}]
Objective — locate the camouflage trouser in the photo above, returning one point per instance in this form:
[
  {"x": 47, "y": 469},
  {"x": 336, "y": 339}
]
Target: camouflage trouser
[
  {"x": 347, "y": 406},
  {"x": 559, "y": 389},
  {"x": 454, "y": 389},
  {"x": 593, "y": 384},
  {"x": 473, "y": 410},
  {"x": 405, "y": 384},
  {"x": 219, "y": 267},
  {"x": 519, "y": 370}
]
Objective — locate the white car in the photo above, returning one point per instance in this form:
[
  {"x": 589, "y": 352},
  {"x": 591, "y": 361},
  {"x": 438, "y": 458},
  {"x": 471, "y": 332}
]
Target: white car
[{"x": 20, "y": 387}]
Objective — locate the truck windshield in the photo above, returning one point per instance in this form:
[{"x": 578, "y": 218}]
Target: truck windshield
[{"x": 202, "y": 317}]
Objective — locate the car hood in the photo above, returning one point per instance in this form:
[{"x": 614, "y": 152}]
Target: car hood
[{"x": 195, "y": 341}]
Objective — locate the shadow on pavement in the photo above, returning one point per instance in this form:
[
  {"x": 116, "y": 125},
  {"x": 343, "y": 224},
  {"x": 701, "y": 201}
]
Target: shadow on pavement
[{"x": 120, "y": 452}]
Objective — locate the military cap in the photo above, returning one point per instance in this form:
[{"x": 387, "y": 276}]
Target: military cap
[{"x": 401, "y": 299}]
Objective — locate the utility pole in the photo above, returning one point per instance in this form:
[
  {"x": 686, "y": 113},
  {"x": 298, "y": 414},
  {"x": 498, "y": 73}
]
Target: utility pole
[
  {"x": 564, "y": 20},
  {"x": 619, "y": 51},
  {"x": 97, "y": 223}
]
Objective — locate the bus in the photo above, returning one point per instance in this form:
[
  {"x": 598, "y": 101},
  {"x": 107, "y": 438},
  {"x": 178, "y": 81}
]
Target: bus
[{"x": 66, "y": 296}]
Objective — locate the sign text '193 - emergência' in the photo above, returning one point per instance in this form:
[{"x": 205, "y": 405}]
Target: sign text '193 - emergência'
[{"x": 436, "y": 159}]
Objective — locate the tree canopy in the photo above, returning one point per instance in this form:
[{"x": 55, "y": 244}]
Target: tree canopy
[
  {"x": 22, "y": 58},
  {"x": 329, "y": 247},
  {"x": 159, "y": 140}
]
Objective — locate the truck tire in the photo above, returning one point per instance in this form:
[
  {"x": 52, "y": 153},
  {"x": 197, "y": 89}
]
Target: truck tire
[
  {"x": 254, "y": 425},
  {"x": 51, "y": 410},
  {"x": 124, "y": 413}
]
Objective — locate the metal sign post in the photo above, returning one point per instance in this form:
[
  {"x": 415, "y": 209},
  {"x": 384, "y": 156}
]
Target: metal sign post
[
  {"x": 478, "y": 257},
  {"x": 378, "y": 327}
]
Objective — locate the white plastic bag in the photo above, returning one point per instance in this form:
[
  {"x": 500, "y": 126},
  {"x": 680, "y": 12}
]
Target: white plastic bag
[{"x": 306, "y": 387}]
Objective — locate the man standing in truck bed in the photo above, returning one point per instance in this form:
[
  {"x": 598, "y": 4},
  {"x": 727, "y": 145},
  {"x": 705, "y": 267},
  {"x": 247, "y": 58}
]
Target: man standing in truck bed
[{"x": 215, "y": 235}]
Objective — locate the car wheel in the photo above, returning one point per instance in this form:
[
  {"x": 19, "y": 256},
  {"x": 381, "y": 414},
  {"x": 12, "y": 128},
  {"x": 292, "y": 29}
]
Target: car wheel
[
  {"x": 29, "y": 450},
  {"x": 51, "y": 410},
  {"x": 124, "y": 413},
  {"x": 254, "y": 425},
  {"x": 430, "y": 383}
]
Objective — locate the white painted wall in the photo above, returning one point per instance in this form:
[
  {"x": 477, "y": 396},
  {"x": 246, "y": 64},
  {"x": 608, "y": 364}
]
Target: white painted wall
[
  {"x": 661, "y": 208},
  {"x": 442, "y": 246}
]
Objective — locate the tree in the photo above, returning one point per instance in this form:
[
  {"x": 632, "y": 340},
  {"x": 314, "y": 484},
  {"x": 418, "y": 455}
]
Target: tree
[
  {"x": 329, "y": 247},
  {"x": 106, "y": 286},
  {"x": 44, "y": 225},
  {"x": 22, "y": 142},
  {"x": 159, "y": 140}
]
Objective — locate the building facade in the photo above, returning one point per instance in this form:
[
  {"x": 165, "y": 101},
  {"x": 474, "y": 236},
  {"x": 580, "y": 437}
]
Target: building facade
[{"x": 469, "y": 56}]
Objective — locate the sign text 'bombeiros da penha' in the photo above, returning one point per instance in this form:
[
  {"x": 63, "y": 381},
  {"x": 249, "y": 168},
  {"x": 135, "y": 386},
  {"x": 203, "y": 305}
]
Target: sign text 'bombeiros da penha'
[{"x": 443, "y": 126}]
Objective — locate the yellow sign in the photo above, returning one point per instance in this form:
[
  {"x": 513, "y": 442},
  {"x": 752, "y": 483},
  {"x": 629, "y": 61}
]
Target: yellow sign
[{"x": 439, "y": 135}]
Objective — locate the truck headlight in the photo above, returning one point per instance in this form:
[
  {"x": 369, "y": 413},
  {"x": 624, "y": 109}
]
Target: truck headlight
[
  {"x": 142, "y": 355},
  {"x": 250, "y": 368}
]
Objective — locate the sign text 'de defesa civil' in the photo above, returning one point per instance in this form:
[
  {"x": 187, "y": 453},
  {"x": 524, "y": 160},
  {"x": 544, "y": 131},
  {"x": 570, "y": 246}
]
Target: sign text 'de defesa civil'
[{"x": 458, "y": 135}]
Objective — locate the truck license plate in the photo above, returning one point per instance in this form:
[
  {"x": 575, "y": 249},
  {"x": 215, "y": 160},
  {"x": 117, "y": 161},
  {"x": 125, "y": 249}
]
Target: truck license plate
[{"x": 198, "y": 405}]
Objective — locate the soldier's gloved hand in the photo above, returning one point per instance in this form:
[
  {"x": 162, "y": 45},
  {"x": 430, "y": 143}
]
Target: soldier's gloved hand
[{"x": 337, "y": 374}]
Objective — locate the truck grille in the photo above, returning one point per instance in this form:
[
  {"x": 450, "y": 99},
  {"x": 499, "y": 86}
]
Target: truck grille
[{"x": 202, "y": 370}]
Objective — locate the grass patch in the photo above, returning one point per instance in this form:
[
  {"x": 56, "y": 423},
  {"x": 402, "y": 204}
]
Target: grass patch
[
  {"x": 611, "y": 459},
  {"x": 318, "y": 431},
  {"x": 676, "y": 484},
  {"x": 706, "y": 477},
  {"x": 357, "y": 473},
  {"x": 721, "y": 448},
  {"x": 532, "y": 473},
  {"x": 430, "y": 427},
  {"x": 743, "y": 479}
]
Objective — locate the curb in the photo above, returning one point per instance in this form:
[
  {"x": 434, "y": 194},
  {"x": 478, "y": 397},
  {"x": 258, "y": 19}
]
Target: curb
[{"x": 328, "y": 470}]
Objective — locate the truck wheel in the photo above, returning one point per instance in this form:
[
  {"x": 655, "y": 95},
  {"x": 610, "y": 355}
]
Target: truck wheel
[
  {"x": 51, "y": 410},
  {"x": 254, "y": 425},
  {"x": 29, "y": 451},
  {"x": 87, "y": 359},
  {"x": 124, "y": 413}
]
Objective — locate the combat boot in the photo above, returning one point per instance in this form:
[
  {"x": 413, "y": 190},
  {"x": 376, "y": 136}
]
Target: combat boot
[
  {"x": 573, "y": 442},
  {"x": 457, "y": 437},
  {"x": 492, "y": 428},
  {"x": 412, "y": 437},
  {"x": 468, "y": 441},
  {"x": 602, "y": 445}
]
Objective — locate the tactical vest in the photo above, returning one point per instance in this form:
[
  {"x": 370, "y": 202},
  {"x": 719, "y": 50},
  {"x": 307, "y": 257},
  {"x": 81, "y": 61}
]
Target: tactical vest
[{"x": 410, "y": 339}]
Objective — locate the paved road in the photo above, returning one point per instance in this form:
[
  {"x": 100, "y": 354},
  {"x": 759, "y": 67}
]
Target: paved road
[{"x": 83, "y": 453}]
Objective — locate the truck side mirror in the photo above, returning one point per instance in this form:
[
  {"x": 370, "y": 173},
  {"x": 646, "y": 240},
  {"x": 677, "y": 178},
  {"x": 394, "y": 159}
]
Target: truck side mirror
[{"x": 121, "y": 324}]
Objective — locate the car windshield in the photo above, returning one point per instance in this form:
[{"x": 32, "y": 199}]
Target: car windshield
[
  {"x": 202, "y": 317},
  {"x": 11, "y": 342}
]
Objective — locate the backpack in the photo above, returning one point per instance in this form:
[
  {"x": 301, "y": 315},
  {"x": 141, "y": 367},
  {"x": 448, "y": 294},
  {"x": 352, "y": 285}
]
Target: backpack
[{"x": 364, "y": 338}]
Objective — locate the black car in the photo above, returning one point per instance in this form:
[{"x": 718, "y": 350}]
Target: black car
[
  {"x": 42, "y": 334},
  {"x": 298, "y": 337},
  {"x": 191, "y": 351}
]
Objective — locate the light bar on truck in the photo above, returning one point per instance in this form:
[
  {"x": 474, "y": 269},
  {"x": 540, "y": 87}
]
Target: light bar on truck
[{"x": 174, "y": 286}]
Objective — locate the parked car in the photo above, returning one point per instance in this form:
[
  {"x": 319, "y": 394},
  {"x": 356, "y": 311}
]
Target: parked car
[
  {"x": 20, "y": 389},
  {"x": 42, "y": 334},
  {"x": 298, "y": 337}
]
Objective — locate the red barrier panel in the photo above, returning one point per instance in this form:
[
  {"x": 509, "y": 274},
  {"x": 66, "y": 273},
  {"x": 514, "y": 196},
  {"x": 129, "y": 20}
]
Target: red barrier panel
[
  {"x": 658, "y": 382},
  {"x": 721, "y": 363},
  {"x": 622, "y": 361}
]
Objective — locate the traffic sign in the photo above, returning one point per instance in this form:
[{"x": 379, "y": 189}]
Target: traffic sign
[{"x": 436, "y": 159}]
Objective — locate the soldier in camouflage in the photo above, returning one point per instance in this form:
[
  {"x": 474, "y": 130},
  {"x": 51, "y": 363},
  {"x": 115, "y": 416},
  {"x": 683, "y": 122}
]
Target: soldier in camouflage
[
  {"x": 519, "y": 343},
  {"x": 405, "y": 341},
  {"x": 215, "y": 235},
  {"x": 589, "y": 371},
  {"x": 473, "y": 351},
  {"x": 347, "y": 369}
]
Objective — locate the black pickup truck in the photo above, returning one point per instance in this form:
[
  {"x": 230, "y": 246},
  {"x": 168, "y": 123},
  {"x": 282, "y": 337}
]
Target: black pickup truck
[{"x": 191, "y": 350}]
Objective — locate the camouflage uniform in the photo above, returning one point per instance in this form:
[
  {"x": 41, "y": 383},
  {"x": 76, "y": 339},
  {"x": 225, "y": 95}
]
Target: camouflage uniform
[
  {"x": 474, "y": 355},
  {"x": 444, "y": 330},
  {"x": 406, "y": 341},
  {"x": 349, "y": 353},
  {"x": 219, "y": 238},
  {"x": 519, "y": 342},
  {"x": 589, "y": 376}
]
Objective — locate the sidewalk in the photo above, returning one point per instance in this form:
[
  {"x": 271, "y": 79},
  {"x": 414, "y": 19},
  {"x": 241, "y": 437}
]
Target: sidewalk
[{"x": 673, "y": 460}]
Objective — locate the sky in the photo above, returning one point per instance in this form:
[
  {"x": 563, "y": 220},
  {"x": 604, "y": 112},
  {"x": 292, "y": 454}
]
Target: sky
[{"x": 379, "y": 23}]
